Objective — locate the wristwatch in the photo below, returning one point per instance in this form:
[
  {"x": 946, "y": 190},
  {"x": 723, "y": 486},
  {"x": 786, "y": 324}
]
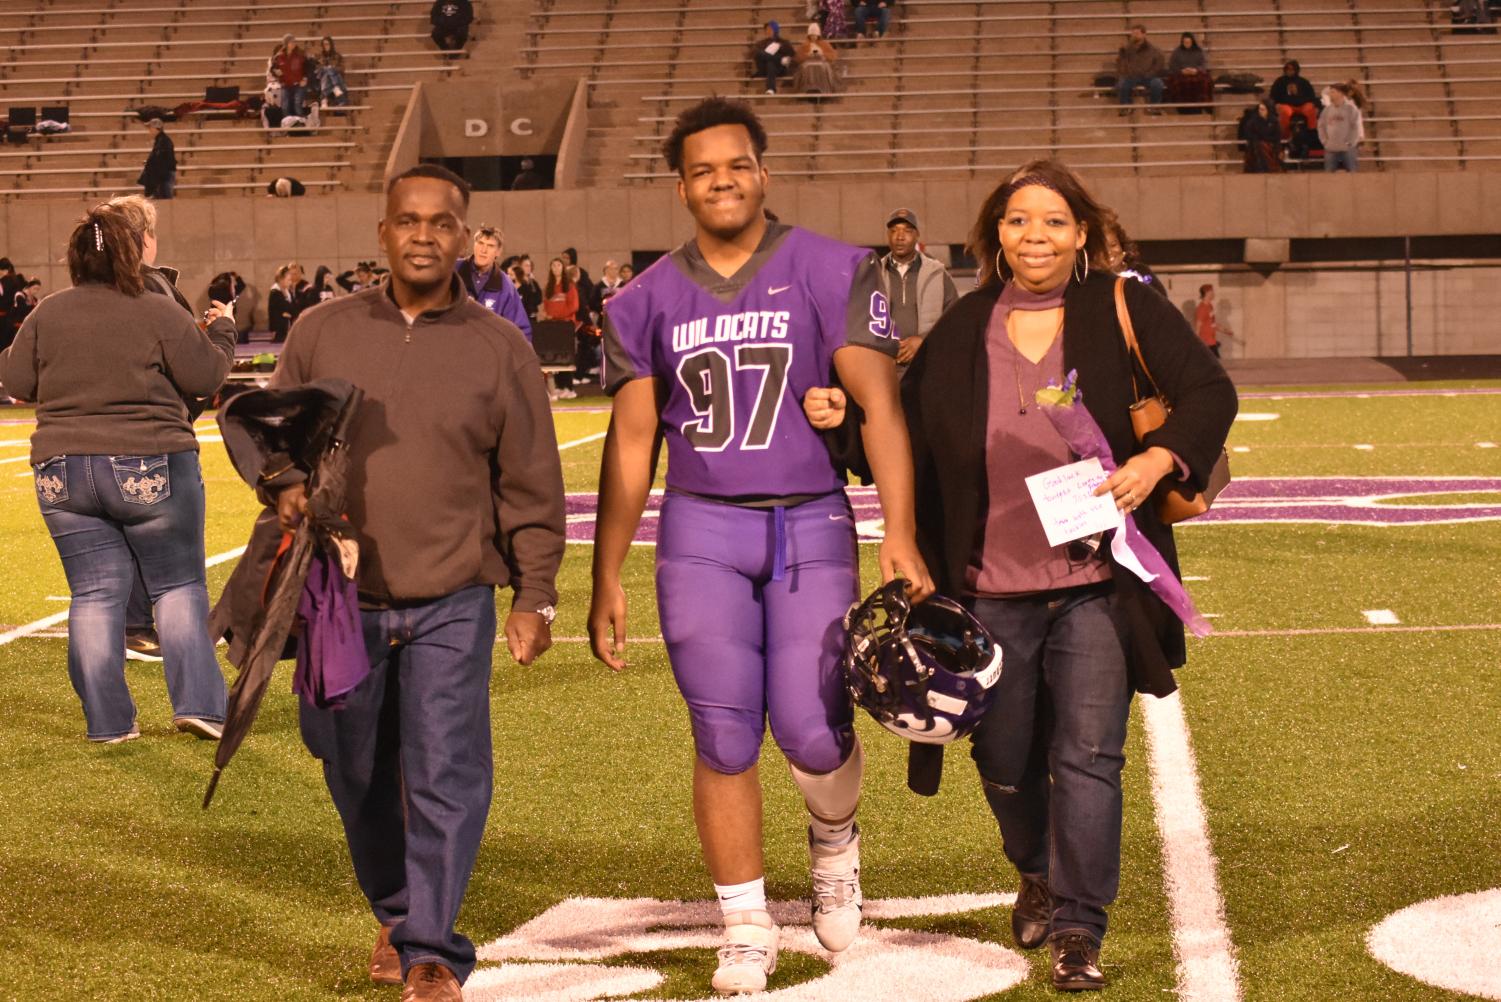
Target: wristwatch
[{"x": 548, "y": 613}]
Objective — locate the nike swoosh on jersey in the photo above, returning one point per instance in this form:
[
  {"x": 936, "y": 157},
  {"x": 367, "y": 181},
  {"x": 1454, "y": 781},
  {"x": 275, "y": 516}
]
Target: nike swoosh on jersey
[{"x": 773, "y": 290}]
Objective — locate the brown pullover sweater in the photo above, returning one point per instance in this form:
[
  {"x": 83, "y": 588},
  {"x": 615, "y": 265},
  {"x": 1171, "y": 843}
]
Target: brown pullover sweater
[
  {"x": 455, "y": 478},
  {"x": 109, "y": 372}
]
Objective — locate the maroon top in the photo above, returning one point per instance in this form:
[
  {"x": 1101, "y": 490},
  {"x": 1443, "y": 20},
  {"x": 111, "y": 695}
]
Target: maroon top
[{"x": 1014, "y": 557}]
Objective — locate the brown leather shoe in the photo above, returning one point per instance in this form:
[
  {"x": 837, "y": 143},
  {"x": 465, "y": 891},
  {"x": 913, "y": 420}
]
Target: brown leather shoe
[
  {"x": 431, "y": 983},
  {"x": 1076, "y": 963},
  {"x": 1032, "y": 915},
  {"x": 385, "y": 965}
]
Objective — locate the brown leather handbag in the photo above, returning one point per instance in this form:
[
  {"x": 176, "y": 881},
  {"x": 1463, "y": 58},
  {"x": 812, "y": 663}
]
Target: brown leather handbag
[{"x": 1175, "y": 500}]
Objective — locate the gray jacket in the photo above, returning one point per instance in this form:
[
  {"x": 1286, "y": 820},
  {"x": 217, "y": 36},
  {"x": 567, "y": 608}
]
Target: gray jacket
[
  {"x": 935, "y": 293},
  {"x": 1340, "y": 127}
]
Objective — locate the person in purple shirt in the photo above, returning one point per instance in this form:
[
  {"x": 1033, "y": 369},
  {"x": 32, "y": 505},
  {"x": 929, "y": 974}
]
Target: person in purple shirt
[
  {"x": 488, "y": 283},
  {"x": 712, "y": 348}
]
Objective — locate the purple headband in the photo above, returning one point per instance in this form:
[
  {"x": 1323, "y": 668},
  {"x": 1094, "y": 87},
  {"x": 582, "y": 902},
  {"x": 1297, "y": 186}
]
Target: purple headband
[{"x": 1026, "y": 181}]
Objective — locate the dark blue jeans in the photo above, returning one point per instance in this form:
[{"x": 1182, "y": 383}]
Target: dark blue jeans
[
  {"x": 109, "y": 515},
  {"x": 865, "y": 11},
  {"x": 1051, "y": 749},
  {"x": 408, "y": 763}
]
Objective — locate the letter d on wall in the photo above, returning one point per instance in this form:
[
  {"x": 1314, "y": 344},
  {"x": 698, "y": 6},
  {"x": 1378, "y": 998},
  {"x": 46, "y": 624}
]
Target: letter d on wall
[{"x": 474, "y": 128}]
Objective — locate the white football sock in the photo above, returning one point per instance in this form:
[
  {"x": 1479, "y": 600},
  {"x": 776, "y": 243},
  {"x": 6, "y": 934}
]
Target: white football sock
[
  {"x": 833, "y": 798},
  {"x": 747, "y": 897}
]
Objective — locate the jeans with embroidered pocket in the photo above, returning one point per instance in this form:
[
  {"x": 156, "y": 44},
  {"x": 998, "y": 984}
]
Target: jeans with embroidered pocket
[{"x": 107, "y": 515}]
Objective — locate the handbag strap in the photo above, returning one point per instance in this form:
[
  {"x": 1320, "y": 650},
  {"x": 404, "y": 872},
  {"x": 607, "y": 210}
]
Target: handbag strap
[{"x": 1128, "y": 331}]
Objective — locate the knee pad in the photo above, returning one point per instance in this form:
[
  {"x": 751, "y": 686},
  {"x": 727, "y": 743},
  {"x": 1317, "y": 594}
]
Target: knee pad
[{"x": 726, "y": 740}]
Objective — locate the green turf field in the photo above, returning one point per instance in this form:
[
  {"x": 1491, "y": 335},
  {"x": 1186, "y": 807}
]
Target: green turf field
[{"x": 1347, "y": 770}]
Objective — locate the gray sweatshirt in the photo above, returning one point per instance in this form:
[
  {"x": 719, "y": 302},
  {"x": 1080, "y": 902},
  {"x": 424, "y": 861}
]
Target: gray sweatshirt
[
  {"x": 109, "y": 372},
  {"x": 1339, "y": 127}
]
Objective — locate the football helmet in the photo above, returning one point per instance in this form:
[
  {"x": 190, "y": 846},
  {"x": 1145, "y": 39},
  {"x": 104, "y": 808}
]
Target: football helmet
[{"x": 926, "y": 671}]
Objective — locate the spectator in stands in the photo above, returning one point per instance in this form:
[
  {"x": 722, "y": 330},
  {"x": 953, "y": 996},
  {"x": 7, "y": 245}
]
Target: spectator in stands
[
  {"x": 363, "y": 275},
  {"x": 561, "y": 303},
  {"x": 1303, "y": 146},
  {"x": 528, "y": 178},
  {"x": 1139, "y": 63},
  {"x": 1188, "y": 78},
  {"x": 10, "y": 284},
  {"x": 286, "y": 300},
  {"x": 872, "y": 18},
  {"x": 771, "y": 56},
  {"x": 228, "y": 287},
  {"x": 609, "y": 284},
  {"x": 1340, "y": 131},
  {"x": 117, "y": 472},
  {"x": 159, "y": 176},
  {"x": 582, "y": 280},
  {"x": 1122, "y": 256},
  {"x": 333, "y": 92},
  {"x": 286, "y": 187},
  {"x": 918, "y": 286},
  {"x": 451, "y": 20},
  {"x": 23, "y": 302},
  {"x": 816, "y": 69},
  {"x": 528, "y": 288},
  {"x": 834, "y": 18},
  {"x": 1261, "y": 139},
  {"x": 1205, "y": 324},
  {"x": 1294, "y": 95},
  {"x": 323, "y": 288},
  {"x": 488, "y": 283},
  {"x": 290, "y": 66}
]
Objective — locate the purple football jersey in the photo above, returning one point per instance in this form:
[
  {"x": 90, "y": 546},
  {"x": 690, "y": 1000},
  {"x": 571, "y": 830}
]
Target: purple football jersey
[{"x": 737, "y": 354}]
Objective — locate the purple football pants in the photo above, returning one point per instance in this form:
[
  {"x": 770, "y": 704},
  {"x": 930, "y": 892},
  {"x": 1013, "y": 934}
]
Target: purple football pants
[{"x": 747, "y": 642}]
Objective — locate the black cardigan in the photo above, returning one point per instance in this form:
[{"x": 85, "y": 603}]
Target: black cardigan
[{"x": 945, "y": 395}]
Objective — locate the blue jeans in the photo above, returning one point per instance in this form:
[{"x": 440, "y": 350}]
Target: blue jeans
[
  {"x": 291, "y": 99},
  {"x": 108, "y": 515},
  {"x": 1051, "y": 749},
  {"x": 865, "y": 11},
  {"x": 331, "y": 86},
  {"x": 408, "y": 764},
  {"x": 1335, "y": 159},
  {"x": 1153, "y": 85}
]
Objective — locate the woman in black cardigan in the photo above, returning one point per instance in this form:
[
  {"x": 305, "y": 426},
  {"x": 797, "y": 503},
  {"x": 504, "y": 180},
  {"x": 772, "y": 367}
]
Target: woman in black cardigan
[{"x": 1079, "y": 633}]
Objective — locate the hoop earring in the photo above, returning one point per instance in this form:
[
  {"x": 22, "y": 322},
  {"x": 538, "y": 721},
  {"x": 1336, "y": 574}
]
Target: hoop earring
[
  {"x": 1077, "y": 277},
  {"x": 998, "y": 276}
]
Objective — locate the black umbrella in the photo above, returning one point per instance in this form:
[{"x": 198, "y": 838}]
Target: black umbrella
[{"x": 268, "y": 432}]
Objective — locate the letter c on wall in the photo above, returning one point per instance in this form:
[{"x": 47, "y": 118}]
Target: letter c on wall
[{"x": 521, "y": 127}]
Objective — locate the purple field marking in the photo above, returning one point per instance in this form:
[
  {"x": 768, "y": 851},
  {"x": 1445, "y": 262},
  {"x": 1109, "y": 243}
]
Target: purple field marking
[
  {"x": 1474, "y": 391},
  {"x": 1253, "y": 500}
]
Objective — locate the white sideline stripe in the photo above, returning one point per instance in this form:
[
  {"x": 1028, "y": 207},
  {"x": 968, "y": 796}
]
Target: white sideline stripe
[
  {"x": 1329, "y": 631},
  {"x": 583, "y": 441},
  {"x": 58, "y": 617},
  {"x": 15, "y": 459},
  {"x": 1381, "y": 617},
  {"x": 1365, "y": 448},
  {"x": 1485, "y": 445},
  {"x": 1207, "y": 968},
  {"x": 1257, "y": 416}
]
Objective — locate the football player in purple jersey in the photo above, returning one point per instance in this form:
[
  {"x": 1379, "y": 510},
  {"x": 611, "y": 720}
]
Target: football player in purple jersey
[{"x": 712, "y": 348}]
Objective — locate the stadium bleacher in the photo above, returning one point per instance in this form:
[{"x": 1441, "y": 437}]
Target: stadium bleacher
[
  {"x": 104, "y": 61},
  {"x": 949, "y": 71}
]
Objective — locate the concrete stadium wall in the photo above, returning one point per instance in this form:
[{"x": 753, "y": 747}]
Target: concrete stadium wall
[{"x": 1289, "y": 313}]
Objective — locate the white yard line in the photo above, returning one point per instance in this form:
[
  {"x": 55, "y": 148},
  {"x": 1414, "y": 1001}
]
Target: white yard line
[
  {"x": 58, "y": 617},
  {"x": 582, "y": 441},
  {"x": 1332, "y": 630},
  {"x": 1207, "y": 968}
]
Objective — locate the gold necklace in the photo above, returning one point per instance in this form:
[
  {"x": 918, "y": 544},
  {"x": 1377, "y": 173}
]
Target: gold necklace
[{"x": 1022, "y": 403}]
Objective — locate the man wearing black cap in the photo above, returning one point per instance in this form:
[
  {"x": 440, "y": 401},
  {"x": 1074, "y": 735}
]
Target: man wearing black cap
[{"x": 919, "y": 286}]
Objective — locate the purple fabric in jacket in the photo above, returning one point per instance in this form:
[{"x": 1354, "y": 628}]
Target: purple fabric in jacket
[{"x": 331, "y": 658}]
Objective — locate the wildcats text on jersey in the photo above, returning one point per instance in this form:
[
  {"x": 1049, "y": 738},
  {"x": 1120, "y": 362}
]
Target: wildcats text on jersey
[{"x": 748, "y": 326}]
